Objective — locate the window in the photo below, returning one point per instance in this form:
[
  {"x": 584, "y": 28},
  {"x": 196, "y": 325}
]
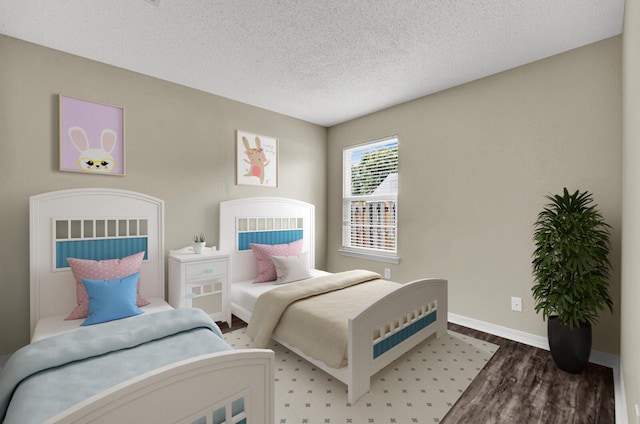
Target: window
[{"x": 369, "y": 200}]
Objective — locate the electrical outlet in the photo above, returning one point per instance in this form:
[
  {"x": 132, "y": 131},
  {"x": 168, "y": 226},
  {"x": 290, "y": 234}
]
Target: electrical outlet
[
  {"x": 387, "y": 273},
  {"x": 516, "y": 304}
]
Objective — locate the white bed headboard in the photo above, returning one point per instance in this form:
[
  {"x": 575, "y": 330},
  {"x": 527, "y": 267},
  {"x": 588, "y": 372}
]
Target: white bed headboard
[
  {"x": 90, "y": 223},
  {"x": 265, "y": 220}
]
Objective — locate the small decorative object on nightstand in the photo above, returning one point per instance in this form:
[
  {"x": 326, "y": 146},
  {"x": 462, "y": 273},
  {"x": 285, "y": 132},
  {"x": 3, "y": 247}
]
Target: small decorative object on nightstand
[
  {"x": 200, "y": 281},
  {"x": 199, "y": 243}
]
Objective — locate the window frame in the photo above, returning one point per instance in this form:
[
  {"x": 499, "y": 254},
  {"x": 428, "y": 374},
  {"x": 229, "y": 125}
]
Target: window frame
[{"x": 382, "y": 255}]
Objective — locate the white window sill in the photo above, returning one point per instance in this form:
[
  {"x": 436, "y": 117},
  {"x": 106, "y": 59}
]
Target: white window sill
[{"x": 370, "y": 256}]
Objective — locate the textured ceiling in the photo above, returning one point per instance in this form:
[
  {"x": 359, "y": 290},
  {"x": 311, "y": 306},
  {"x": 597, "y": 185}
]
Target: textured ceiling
[{"x": 323, "y": 61}]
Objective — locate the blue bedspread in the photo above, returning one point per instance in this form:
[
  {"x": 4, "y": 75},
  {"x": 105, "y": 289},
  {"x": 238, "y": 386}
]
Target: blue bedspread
[{"x": 53, "y": 374}]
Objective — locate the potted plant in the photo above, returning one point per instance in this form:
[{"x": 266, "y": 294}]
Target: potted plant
[
  {"x": 199, "y": 241},
  {"x": 571, "y": 273}
]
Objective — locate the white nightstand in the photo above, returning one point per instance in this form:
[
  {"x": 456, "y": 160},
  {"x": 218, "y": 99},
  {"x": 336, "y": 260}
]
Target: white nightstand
[{"x": 200, "y": 281}]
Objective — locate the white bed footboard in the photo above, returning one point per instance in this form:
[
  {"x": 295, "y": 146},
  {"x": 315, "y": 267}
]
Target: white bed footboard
[
  {"x": 226, "y": 387},
  {"x": 391, "y": 326},
  {"x": 387, "y": 329}
]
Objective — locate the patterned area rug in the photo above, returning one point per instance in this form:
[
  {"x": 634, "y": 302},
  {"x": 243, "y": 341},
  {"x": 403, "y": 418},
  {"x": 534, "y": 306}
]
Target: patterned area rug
[{"x": 420, "y": 387}]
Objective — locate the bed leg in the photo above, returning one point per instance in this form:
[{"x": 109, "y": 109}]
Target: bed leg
[
  {"x": 443, "y": 310},
  {"x": 357, "y": 390},
  {"x": 359, "y": 357},
  {"x": 441, "y": 329}
]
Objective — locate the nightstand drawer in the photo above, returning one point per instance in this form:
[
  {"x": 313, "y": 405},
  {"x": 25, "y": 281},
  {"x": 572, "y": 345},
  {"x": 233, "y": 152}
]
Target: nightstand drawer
[{"x": 207, "y": 269}]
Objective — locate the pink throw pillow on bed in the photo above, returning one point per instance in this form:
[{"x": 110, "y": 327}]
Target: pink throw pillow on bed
[
  {"x": 102, "y": 270},
  {"x": 264, "y": 252}
]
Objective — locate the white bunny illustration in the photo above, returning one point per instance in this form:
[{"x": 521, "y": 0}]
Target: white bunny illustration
[{"x": 94, "y": 160}]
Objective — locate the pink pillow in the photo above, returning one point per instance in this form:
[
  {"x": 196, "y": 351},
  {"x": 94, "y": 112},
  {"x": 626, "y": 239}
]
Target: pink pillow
[
  {"x": 264, "y": 252},
  {"x": 102, "y": 270}
]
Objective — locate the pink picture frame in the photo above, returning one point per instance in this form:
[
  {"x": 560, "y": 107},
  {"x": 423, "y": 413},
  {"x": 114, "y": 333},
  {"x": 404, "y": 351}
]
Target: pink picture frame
[{"x": 91, "y": 137}]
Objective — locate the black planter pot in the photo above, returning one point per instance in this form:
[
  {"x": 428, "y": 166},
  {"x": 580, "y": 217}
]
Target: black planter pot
[{"x": 570, "y": 347}]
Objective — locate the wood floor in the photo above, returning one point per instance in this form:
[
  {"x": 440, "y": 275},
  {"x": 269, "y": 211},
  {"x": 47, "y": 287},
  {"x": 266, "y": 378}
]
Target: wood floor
[{"x": 521, "y": 385}]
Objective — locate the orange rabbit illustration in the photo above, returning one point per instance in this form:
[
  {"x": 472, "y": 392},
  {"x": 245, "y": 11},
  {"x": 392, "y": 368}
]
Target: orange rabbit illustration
[{"x": 257, "y": 159}]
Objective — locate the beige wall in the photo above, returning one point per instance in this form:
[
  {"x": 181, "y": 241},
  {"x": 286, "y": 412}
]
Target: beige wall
[
  {"x": 475, "y": 164},
  {"x": 630, "y": 322},
  {"x": 179, "y": 147}
]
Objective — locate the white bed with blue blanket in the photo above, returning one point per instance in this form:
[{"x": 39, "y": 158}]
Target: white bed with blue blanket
[{"x": 130, "y": 358}]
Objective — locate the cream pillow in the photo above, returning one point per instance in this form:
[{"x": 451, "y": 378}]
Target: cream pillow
[{"x": 291, "y": 268}]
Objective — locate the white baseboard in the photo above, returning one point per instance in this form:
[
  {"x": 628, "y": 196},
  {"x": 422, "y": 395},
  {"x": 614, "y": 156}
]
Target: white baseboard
[
  {"x": 597, "y": 357},
  {"x": 498, "y": 330}
]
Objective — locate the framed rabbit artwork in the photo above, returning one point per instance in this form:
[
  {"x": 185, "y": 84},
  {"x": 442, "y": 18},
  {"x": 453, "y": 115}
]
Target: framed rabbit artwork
[
  {"x": 257, "y": 159},
  {"x": 91, "y": 137}
]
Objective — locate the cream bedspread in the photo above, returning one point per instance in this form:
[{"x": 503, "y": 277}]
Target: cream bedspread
[{"x": 317, "y": 325}]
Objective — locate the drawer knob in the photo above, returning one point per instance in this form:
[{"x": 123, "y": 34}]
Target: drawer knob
[{"x": 208, "y": 271}]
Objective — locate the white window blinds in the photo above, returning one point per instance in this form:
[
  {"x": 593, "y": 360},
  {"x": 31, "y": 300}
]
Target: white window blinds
[{"x": 370, "y": 196}]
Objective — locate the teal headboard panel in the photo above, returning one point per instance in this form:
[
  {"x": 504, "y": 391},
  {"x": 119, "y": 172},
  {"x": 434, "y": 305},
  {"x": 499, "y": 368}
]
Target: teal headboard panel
[
  {"x": 98, "y": 250},
  {"x": 267, "y": 237}
]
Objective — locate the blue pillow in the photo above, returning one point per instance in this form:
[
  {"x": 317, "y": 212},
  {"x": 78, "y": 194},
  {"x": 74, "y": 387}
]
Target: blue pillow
[{"x": 111, "y": 299}]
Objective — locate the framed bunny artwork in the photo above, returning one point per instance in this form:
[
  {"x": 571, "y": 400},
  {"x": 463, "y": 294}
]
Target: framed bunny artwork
[
  {"x": 257, "y": 159},
  {"x": 91, "y": 137}
]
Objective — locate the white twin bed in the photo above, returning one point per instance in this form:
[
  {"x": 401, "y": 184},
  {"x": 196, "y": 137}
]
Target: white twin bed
[
  {"x": 381, "y": 323},
  {"x": 160, "y": 366}
]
